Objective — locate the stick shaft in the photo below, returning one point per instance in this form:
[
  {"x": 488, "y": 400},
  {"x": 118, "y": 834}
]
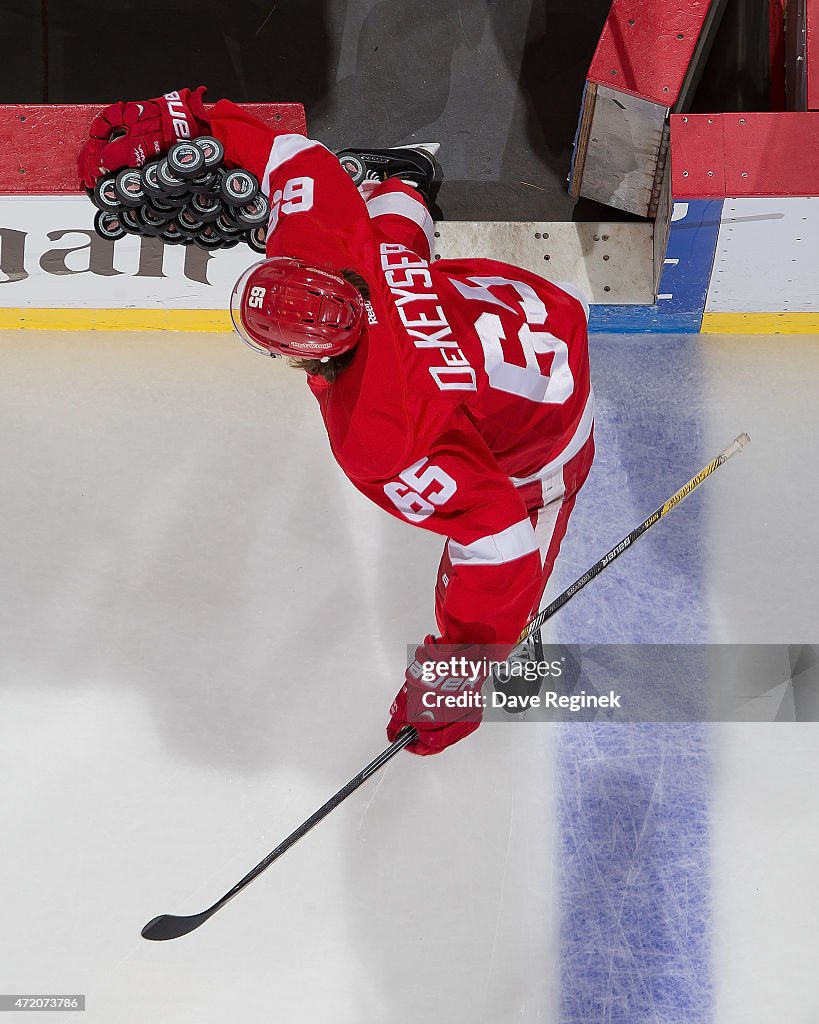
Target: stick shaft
[
  {"x": 409, "y": 734},
  {"x": 539, "y": 620},
  {"x": 406, "y": 736}
]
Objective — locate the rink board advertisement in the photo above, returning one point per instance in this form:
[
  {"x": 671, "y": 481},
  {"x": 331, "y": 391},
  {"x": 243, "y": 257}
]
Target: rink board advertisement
[
  {"x": 740, "y": 255},
  {"x": 55, "y": 271}
]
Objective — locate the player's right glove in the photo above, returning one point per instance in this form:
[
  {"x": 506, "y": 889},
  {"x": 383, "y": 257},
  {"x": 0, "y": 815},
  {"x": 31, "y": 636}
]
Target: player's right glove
[
  {"x": 131, "y": 134},
  {"x": 422, "y": 702}
]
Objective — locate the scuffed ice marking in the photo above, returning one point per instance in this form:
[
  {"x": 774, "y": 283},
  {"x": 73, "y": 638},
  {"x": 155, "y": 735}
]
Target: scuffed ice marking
[{"x": 633, "y": 807}]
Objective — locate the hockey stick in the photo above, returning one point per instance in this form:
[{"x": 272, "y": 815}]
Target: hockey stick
[
  {"x": 538, "y": 621},
  {"x": 168, "y": 926}
]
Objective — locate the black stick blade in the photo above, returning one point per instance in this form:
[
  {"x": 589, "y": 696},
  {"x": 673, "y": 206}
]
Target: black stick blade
[{"x": 167, "y": 926}]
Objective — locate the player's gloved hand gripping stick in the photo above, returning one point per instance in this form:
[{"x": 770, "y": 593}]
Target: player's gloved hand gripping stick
[{"x": 169, "y": 926}]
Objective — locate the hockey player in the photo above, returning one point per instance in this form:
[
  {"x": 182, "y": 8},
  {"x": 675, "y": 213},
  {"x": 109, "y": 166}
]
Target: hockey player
[{"x": 455, "y": 393}]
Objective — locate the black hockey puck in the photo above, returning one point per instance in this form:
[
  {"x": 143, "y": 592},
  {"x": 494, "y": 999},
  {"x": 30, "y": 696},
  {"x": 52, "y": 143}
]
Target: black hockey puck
[
  {"x": 128, "y": 185},
  {"x": 186, "y": 160},
  {"x": 206, "y": 206},
  {"x": 172, "y": 235},
  {"x": 226, "y": 227},
  {"x": 150, "y": 225},
  {"x": 153, "y": 220},
  {"x": 106, "y": 196},
  {"x": 189, "y": 223},
  {"x": 169, "y": 182},
  {"x": 209, "y": 238},
  {"x": 239, "y": 187},
  {"x": 108, "y": 225},
  {"x": 208, "y": 182},
  {"x": 131, "y": 222},
  {"x": 154, "y": 213},
  {"x": 164, "y": 207},
  {"x": 177, "y": 200},
  {"x": 212, "y": 150},
  {"x": 257, "y": 239},
  {"x": 150, "y": 181},
  {"x": 354, "y": 166},
  {"x": 254, "y": 213},
  {"x": 228, "y": 215}
]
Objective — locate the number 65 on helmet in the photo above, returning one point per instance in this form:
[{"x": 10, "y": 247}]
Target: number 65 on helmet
[{"x": 286, "y": 307}]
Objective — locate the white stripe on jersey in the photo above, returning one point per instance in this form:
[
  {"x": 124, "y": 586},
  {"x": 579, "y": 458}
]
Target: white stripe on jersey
[
  {"x": 506, "y": 546},
  {"x": 284, "y": 148},
  {"x": 399, "y": 204},
  {"x": 552, "y": 494},
  {"x": 580, "y": 437}
]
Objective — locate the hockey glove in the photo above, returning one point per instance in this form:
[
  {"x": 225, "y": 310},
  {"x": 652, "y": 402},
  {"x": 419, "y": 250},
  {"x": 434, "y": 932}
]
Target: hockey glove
[
  {"x": 131, "y": 134},
  {"x": 442, "y": 705}
]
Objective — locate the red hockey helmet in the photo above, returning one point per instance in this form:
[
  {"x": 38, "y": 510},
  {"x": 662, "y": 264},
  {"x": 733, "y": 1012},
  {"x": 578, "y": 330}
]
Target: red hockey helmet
[{"x": 285, "y": 307}]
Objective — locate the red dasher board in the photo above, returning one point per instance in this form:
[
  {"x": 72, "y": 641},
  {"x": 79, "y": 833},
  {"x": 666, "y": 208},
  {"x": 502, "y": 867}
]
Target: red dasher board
[
  {"x": 40, "y": 142},
  {"x": 646, "y": 65},
  {"x": 717, "y": 156},
  {"x": 647, "y": 47}
]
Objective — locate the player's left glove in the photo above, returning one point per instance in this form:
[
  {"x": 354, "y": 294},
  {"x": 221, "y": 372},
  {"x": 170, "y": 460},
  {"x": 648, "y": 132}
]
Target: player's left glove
[
  {"x": 131, "y": 134},
  {"x": 422, "y": 702}
]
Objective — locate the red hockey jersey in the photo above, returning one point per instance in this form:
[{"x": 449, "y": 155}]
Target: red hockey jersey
[{"x": 472, "y": 377}]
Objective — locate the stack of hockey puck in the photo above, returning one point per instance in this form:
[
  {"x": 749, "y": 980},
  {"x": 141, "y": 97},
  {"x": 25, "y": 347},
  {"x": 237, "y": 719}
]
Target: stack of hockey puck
[{"x": 186, "y": 198}]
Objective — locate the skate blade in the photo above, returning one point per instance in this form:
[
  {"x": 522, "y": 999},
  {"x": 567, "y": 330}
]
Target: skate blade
[{"x": 428, "y": 147}]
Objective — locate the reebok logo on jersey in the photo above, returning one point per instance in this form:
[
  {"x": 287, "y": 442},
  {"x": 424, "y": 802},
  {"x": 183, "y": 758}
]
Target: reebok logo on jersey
[{"x": 371, "y": 317}]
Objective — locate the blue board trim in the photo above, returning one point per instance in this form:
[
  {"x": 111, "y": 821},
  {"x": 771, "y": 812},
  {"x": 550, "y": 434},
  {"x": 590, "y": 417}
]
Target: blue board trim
[
  {"x": 681, "y": 297},
  {"x": 642, "y": 320}
]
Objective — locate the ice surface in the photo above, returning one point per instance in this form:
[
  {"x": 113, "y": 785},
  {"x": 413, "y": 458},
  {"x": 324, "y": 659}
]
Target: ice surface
[{"x": 203, "y": 626}]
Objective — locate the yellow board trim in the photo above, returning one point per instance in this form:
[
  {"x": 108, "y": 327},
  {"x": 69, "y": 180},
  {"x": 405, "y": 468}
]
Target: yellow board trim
[
  {"x": 218, "y": 321},
  {"x": 760, "y": 323},
  {"x": 193, "y": 320}
]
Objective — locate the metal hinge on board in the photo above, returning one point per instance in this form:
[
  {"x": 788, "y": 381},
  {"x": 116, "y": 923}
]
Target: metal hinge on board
[{"x": 659, "y": 171}]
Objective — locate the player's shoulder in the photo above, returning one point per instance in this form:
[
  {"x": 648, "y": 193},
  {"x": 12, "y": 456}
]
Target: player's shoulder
[
  {"x": 471, "y": 267},
  {"x": 372, "y": 424}
]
